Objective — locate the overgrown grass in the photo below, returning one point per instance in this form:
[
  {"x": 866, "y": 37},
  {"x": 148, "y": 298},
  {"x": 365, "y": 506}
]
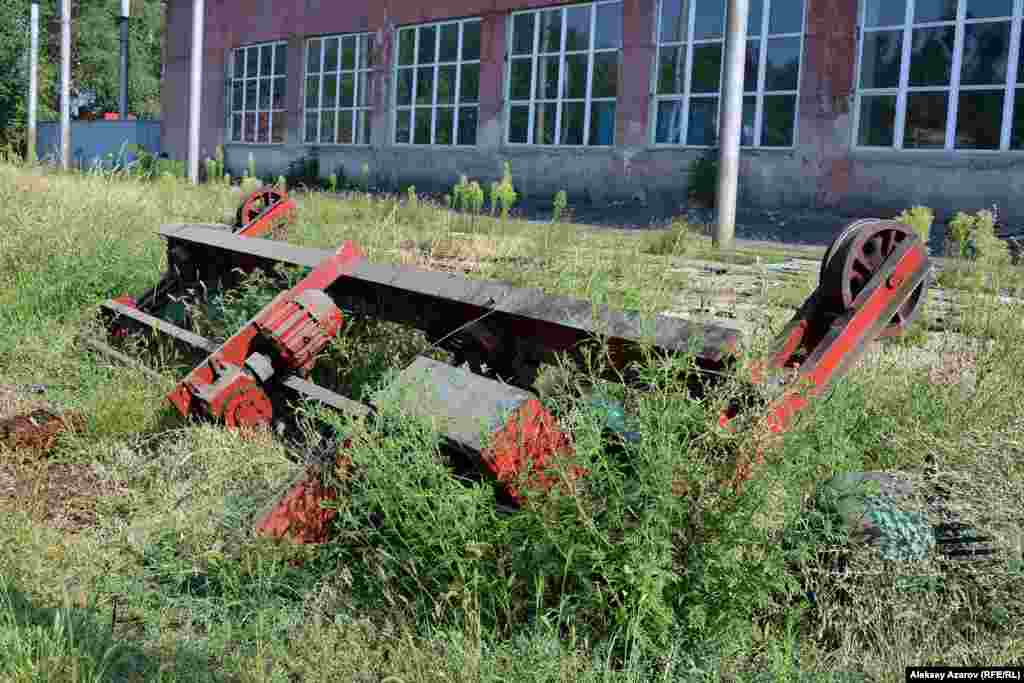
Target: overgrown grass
[{"x": 649, "y": 570}]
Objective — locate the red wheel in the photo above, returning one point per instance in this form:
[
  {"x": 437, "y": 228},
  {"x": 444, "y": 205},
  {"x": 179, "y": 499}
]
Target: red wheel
[
  {"x": 255, "y": 204},
  {"x": 852, "y": 260}
]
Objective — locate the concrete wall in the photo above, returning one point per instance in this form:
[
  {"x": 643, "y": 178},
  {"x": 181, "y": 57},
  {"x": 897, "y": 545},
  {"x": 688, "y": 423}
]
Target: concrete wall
[{"x": 821, "y": 170}]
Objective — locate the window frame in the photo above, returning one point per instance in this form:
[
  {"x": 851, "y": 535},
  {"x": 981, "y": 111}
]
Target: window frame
[
  {"x": 1009, "y": 87},
  {"x": 535, "y": 56},
  {"x": 356, "y": 71},
  {"x": 259, "y": 78},
  {"x": 456, "y": 105},
  {"x": 759, "y": 91}
]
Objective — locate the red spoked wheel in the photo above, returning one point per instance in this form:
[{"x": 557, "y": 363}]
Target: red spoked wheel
[
  {"x": 852, "y": 260},
  {"x": 255, "y": 204}
]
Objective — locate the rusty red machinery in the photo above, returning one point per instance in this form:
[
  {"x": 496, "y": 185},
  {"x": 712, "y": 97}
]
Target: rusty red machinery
[{"x": 872, "y": 283}]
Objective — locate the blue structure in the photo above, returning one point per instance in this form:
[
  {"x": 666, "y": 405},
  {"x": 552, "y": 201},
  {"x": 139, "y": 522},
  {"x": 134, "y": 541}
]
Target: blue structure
[{"x": 93, "y": 141}]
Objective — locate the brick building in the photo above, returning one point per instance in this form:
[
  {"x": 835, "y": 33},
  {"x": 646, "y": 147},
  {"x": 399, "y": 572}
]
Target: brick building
[{"x": 865, "y": 105}]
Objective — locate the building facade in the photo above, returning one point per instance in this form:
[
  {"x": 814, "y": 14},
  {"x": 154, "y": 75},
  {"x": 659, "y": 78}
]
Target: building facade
[{"x": 860, "y": 105}]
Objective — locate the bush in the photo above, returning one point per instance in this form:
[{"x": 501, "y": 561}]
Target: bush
[
  {"x": 704, "y": 179},
  {"x": 676, "y": 241},
  {"x": 559, "y": 208},
  {"x": 920, "y": 218},
  {"x": 974, "y": 237}
]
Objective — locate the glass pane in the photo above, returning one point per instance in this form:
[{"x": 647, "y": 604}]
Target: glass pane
[
  {"x": 446, "y": 84},
  {"x": 252, "y": 58},
  {"x": 782, "y": 65},
  {"x": 519, "y": 88},
  {"x": 427, "y": 52},
  {"x": 707, "y": 68},
  {"x": 331, "y": 54},
  {"x": 364, "y": 90},
  {"x": 674, "y": 20},
  {"x": 469, "y": 84},
  {"x": 985, "y": 53},
  {"x": 884, "y": 12},
  {"x": 573, "y": 116},
  {"x": 544, "y": 124},
  {"x": 606, "y": 75},
  {"x": 877, "y": 121},
  {"x": 979, "y": 119},
  {"x": 467, "y": 126},
  {"x": 236, "y": 127},
  {"x": 236, "y": 96},
  {"x": 348, "y": 52},
  {"x": 266, "y": 62},
  {"x": 522, "y": 34},
  {"x": 671, "y": 70},
  {"x": 576, "y": 77},
  {"x": 547, "y": 77},
  {"x": 754, "y": 17},
  {"x": 278, "y": 126},
  {"x": 602, "y": 123},
  {"x": 703, "y": 124},
  {"x": 327, "y": 127},
  {"x": 402, "y": 125},
  {"x": 518, "y": 124},
  {"x": 779, "y": 119},
  {"x": 422, "y": 120},
  {"x": 749, "y": 118},
  {"x": 263, "y": 127},
  {"x": 551, "y": 30},
  {"x": 364, "y": 58},
  {"x": 931, "y": 55},
  {"x": 250, "y": 95},
  {"x": 312, "y": 118},
  {"x": 277, "y": 101},
  {"x": 976, "y": 9},
  {"x": 444, "y": 125},
  {"x": 281, "y": 60},
  {"x": 313, "y": 57},
  {"x": 471, "y": 40},
  {"x": 346, "y": 90},
  {"x": 1017, "y": 132},
  {"x": 345, "y": 128},
  {"x": 926, "y": 120},
  {"x": 934, "y": 10},
  {"x": 239, "y": 69},
  {"x": 363, "y": 127},
  {"x": 880, "y": 63},
  {"x": 709, "y": 19},
  {"x": 406, "y": 46},
  {"x": 264, "y": 98},
  {"x": 312, "y": 92},
  {"x": 609, "y": 26},
  {"x": 449, "y": 43},
  {"x": 1020, "y": 66},
  {"x": 786, "y": 17},
  {"x": 404, "y": 87},
  {"x": 577, "y": 28},
  {"x": 425, "y": 85},
  {"x": 669, "y": 125},
  {"x": 330, "y": 96},
  {"x": 750, "y": 69}
]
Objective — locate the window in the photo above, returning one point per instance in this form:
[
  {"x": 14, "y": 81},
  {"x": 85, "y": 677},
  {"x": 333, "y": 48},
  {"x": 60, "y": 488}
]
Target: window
[
  {"x": 437, "y": 81},
  {"x": 338, "y": 90},
  {"x": 940, "y": 74},
  {"x": 688, "y": 82},
  {"x": 257, "y": 93},
  {"x": 564, "y": 75}
]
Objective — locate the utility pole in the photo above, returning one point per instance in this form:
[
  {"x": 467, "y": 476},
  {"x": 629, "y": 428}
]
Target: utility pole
[
  {"x": 33, "y": 81},
  {"x": 123, "y": 20},
  {"x": 731, "y": 122},
  {"x": 65, "y": 85},
  {"x": 194, "y": 100}
]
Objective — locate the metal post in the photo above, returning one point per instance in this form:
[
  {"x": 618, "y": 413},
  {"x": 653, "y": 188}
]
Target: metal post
[
  {"x": 731, "y": 123},
  {"x": 33, "y": 82},
  {"x": 65, "y": 84},
  {"x": 125, "y": 12},
  {"x": 194, "y": 101}
]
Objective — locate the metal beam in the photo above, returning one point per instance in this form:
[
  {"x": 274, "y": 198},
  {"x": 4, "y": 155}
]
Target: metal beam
[
  {"x": 731, "y": 123},
  {"x": 198, "y": 10}
]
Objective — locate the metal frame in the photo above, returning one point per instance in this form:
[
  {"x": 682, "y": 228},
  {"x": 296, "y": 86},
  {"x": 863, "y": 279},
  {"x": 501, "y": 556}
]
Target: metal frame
[
  {"x": 903, "y": 90},
  {"x": 759, "y": 93},
  {"x": 535, "y": 57},
  {"x": 456, "y": 106},
  {"x": 364, "y": 42},
  {"x": 260, "y": 81}
]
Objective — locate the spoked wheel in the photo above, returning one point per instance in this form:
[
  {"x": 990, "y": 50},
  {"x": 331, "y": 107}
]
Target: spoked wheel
[
  {"x": 852, "y": 260},
  {"x": 255, "y": 204}
]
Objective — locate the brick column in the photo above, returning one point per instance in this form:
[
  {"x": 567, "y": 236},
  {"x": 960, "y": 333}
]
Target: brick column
[
  {"x": 638, "y": 54},
  {"x": 295, "y": 86},
  {"x": 490, "y": 128},
  {"x": 384, "y": 36}
]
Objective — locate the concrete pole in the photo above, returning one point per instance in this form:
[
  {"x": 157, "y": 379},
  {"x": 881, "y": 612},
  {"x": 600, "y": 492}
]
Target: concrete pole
[
  {"x": 33, "y": 82},
  {"x": 731, "y": 122},
  {"x": 65, "y": 84},
  {"x": 194, "y": 93},
  {"x": 125, "y": 11}
]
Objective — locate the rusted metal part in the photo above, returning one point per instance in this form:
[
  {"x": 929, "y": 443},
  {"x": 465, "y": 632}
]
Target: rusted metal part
[
  {"x": 38, "y": 430},
  {"x": 264, "y": 212}
]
